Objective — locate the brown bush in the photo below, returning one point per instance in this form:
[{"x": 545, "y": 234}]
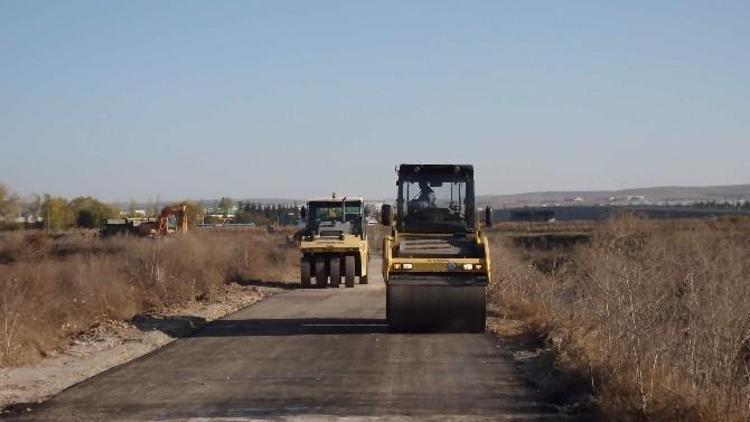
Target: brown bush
[
  {"x": 53, "y": 288},
  {"x": 656, "y": 313},
  {"x": 21, "y": 246}
]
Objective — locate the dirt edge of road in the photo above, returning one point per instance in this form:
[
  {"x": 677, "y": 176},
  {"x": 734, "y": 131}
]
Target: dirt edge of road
[
  {"x": 543, "y": 366},
  {"x": 114, "y": 343}
]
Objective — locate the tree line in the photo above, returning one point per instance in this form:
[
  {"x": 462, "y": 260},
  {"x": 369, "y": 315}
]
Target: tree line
[
  {"x": 58, "y": 213},
  {"x": 53, "y": 212},
  {"x": 257, "y": 213},
  {"x": 723, "y": 205}
]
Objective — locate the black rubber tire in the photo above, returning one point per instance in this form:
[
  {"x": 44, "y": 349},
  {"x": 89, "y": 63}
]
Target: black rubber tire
[
  {"x": 321, "y": 276},
  {"x": 305, "y": 272},
  {"x": 349, "y": 269},
  {"x": 335, "y": 271}
]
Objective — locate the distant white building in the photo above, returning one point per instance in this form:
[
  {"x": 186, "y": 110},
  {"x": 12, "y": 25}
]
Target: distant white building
[
  {"x": 575, "y": 199},
  {"x": 28, "y": 219}
]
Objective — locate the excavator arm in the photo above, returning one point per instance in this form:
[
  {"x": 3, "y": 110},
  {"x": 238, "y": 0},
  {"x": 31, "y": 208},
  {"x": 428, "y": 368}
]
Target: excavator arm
[{"x": 177, "y": 211}]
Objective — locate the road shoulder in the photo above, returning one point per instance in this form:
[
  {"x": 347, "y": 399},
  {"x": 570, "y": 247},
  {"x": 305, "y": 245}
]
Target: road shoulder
[
  {"x": 542, "y": 366},
  {"x": 114, "y": 343}
]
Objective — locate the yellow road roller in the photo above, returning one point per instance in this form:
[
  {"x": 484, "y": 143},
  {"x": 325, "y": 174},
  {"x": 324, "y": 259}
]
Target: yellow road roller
[
  {"x": 436, "y": 261},
  {"x": 334, "y": 242}
]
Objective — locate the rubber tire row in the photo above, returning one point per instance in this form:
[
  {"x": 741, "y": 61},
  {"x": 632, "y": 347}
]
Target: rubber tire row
[{"x": 335, "y": 272}]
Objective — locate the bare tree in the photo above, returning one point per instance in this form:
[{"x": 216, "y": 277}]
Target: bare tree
[
  {"x": 225, "y": 205},
  {"x": 9, "y": 203},
  {"x": 132, "y": 207},
  {"x": 34, "y": 207}
]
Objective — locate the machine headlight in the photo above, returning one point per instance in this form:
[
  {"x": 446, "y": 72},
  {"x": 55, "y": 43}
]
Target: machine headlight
[
  {"x": 478, "y": 267},
  {"x": 396, "y": 266},
  {"x": 408, "y": 266},
  {"x": 468, "y": 267}
]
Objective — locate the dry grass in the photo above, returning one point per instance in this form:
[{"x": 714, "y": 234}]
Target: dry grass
[
  {"x": 54, "y": 288},
  {"x": 506, "y": 227},
  {"x": 656, "y": 314}
]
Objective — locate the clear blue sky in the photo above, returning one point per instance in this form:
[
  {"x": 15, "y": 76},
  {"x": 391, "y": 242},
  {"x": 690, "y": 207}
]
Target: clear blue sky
[{"x": 130, "y": 99}]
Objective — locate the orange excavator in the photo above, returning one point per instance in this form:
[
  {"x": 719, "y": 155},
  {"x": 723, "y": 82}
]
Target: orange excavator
[
  {"x": 181, "y": 219},
  {"x": 161, "y": 226},
  {"x": 151, "y": 227}
]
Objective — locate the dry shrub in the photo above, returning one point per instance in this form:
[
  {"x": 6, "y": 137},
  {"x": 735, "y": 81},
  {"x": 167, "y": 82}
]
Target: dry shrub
[
  {"x": 70, "y": 284},
  {"x": 657, "y": 313},
  {"x": 21, "y": 246},
  {"x": 505, "y": 227},
  {"x": 261, "y": 256},
  {"x": 24, "y": 246}
]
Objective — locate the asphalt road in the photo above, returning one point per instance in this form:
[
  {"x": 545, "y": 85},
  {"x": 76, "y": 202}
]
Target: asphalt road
[{"x": 309, "y": 354}]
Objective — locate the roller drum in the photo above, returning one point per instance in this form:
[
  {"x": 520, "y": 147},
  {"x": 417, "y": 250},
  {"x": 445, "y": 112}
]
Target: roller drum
[{"x": 448, "y": 304}]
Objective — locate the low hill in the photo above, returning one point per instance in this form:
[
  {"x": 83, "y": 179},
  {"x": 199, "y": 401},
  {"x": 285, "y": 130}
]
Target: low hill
[{"x": 662, "y": 195}]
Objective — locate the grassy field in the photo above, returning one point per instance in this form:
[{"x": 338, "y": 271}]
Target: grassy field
[
  {"x": 655, "y": 314},
  {"x": 55, "y": 287}
]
